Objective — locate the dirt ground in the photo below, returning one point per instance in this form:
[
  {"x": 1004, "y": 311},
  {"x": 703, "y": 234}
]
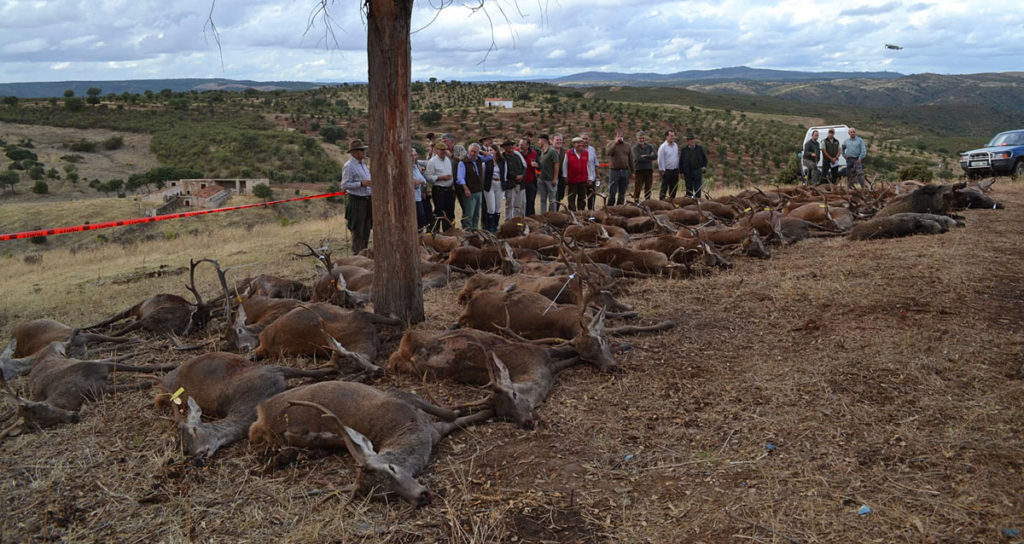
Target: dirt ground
[{"x": 838, "y": 392}]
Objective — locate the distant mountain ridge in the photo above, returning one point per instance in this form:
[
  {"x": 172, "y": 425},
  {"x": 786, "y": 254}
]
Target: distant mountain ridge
[
  {"x": 46, "y": 89},
  {"x": 735, "y": 73},
  {"x": 1002, "y": 91}
]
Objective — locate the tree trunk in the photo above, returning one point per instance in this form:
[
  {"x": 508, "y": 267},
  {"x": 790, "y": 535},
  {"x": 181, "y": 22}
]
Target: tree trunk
[{"x": 397, "y": 287}]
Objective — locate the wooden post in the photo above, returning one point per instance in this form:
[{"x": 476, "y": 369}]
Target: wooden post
[{"x": 396, "y": 284}]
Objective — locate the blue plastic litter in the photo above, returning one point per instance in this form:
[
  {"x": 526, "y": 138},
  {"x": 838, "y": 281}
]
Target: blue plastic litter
[
  {"x": 1011, "y": 532},
  {"x": 769, "y": 446},
  {"x": 629, "y": 457},
  {"x": 863, "y": 510}
]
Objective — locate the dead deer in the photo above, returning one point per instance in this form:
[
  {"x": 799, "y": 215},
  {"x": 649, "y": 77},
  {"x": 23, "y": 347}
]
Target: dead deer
[
  {"x": 532, "y": 316},
  {"x": 902, "y": 224},
  {"x": 275, "y": 287},
  {"x": 388, "y": 433},
  {"x": 518, "y": 226},
  {"x": 537, "y": 241},
  {"x": 824, "y": 215},
  {"x": 558, "y": 288},
  {"x": 331, "y": 285},
  {"x": 434, "y": 275},
  {"x": 225, "y": 386},
  {"x": 522, "y": 374},
  {"x": 637, "y": 260},
  {"x": 501, "y": 255},
  {"x": 59, "y": 385},
  {"x": 165, "y": 313},
  {"x": 321, "y": 329},
  {"x": 35, "y": 335}
]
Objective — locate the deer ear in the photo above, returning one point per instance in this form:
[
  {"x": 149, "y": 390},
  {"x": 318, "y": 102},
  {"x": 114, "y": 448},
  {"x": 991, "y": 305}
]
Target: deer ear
[
  {"x": 498, "y": 372},
  {"x": 598, "y": 323},
  {"x": 195, "y": 413},
  {"x": 358, "y": 445}
]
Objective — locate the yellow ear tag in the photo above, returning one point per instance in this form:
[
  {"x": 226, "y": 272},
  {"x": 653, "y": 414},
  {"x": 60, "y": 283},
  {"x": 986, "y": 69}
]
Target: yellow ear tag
[
  {"x": 767, "y": 209},
  {"x": 519, "y": 224},
  {"x": 747, "y": 210},
  {"x": 822, "y": 206},
  {"x": 176, "y": 397}
]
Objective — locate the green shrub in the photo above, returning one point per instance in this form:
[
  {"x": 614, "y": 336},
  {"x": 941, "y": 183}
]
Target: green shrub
[
  {"x": 430, "y": 118},
  {"x": 83, "y": 145},
  {"x": 40, "y": 188},
  {"x": 333, "y": 133},
  {"x": 917, "y": 172},
  {"x": 113, "y": 142},
  {"x": 16, "y": 153}
]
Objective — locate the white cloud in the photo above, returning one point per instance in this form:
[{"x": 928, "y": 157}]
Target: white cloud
[{"x": 264, "y": 39}]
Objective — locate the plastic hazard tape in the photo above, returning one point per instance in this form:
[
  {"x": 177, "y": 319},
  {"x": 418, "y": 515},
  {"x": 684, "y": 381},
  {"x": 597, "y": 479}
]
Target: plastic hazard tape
[{"x": 153, "y": 219}]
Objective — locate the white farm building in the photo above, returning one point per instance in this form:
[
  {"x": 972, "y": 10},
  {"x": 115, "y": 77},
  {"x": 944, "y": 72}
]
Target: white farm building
[{"x": 498, "y": 103}]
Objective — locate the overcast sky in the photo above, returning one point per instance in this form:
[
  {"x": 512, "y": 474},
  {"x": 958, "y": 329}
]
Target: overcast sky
[{"x": 56, "y": 40}]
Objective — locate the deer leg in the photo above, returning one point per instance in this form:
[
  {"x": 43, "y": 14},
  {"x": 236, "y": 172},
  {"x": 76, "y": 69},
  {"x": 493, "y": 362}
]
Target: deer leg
[
  {"x": 444, "y": 428},
  {"x": 419, "y": 402},
  {"x": 134, "y": 326},
  {"x": 314, "y": 440},
  {"x": 13, "y": 429},
  {"x": 112, "y": 319},
  {"x": 637, "y": 329}
]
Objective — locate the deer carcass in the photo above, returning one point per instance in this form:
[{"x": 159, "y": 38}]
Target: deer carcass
[
  {"x": 321, "y": 329},
  {"x": 822, "y": 214},
  {"x": 388, "y": 434},
  {"x": 532, "y": 316},
  {"x": 902, "y": 224},
  {"x": 275, "y": 287},
  {"x": 28, "y": 338},
  {"x": 636, "y": 260},
  {"x": 59, "y": 385},
  {"x": 225, "y": 386},
  {"x": 165, "y": 313},
  {"x": 521, "y": 373},
  {"x": 559, "y": 288}
]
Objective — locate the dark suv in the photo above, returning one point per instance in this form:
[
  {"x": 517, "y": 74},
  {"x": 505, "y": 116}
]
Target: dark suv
[{"x": 1003, "y": 155}]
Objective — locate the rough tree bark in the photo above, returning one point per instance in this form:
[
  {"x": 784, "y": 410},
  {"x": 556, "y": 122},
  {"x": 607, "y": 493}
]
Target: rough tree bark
[{"x": 396, "y": 287}]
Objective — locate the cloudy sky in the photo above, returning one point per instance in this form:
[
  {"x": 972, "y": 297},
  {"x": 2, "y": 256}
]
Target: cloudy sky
[{"x": 56, "y": 40}]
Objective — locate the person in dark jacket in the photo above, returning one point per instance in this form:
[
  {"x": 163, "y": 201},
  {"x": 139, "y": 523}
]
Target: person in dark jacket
[
  {"x": 811, "y": 155},
  {"x": 693, "y": 162},
  {"x": 644, "y": 155}
]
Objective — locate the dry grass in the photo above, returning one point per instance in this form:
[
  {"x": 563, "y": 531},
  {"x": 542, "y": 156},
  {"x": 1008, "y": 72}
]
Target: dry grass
[{"x": 884, "y": 373}]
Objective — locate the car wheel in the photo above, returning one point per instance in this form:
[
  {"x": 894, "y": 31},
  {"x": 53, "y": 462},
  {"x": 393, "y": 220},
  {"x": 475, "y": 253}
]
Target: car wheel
[{"x": 1018, "y": 170}]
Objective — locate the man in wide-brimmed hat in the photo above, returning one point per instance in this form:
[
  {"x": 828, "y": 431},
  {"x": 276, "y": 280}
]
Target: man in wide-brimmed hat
[{"x": 355, "y": 180}]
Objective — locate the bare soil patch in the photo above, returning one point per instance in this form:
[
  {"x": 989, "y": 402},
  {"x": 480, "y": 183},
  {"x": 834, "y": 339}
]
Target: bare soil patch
[{"x": 794, "y": 391}]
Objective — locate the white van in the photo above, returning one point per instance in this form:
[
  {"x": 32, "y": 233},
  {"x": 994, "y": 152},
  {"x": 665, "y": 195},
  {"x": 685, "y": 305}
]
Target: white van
[{"x": 842, "y": 134}]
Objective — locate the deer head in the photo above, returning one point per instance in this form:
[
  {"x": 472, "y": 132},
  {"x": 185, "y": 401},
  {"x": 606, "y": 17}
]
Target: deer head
[
  {"x": 11, "y": 368},
  {"x": 196, "y": 438},
  {"x": 38, "y": 414},
  {"x": 591, "y": 344},
  {"x": 507, "y": 402},
  {"x": 361, "y": 361},
  {"x": 376, "y": 471}
]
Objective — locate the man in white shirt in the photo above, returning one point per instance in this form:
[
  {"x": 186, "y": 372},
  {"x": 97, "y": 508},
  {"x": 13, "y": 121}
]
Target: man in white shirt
[
  {"x": 439, "y": 174},
  {"x": 355, "y": 180},
  {"x": 668, "y": 165}
]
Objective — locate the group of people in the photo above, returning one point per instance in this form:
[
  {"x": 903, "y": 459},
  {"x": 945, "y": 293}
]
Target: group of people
[
  {"x": 488, "y": 176},
  {"x": 828, "y": 152}
]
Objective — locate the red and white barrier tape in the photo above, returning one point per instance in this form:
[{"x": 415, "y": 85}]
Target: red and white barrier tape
[{"x": 138, "y": 220}]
